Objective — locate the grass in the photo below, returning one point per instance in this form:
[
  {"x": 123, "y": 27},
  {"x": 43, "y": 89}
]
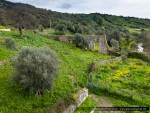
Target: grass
[
  {"x": 51, "y": 32},
  {"x": 112, "y": 81},
  {"x": 129, "y": 79},
  {"x": 5, "y": 53},
  {"x": 72, "y": 74},
  {"x": 87, "y": 106},
  {"x": 132, "y": 30}
]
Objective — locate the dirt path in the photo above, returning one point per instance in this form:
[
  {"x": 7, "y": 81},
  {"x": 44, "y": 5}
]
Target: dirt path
[{"x": 103, "y": 102}]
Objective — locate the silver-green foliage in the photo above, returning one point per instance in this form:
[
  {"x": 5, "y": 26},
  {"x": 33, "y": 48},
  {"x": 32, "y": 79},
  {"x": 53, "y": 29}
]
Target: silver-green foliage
[
  {"x": 115, "y": 44},
  {"x": 36, "y": 69},
  {"x": 80, "y": 41},
  {"x": 10, "y": 43}
]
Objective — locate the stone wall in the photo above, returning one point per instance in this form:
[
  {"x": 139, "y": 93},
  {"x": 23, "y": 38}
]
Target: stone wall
[
  {"x": 103, "y": 46},
  {"x": 80, "y": 98},
  {"x": 105, "y": 62},
  {"x": 67, "y": 39}
]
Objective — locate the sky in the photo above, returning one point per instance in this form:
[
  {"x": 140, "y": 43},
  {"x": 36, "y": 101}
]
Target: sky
[{"x": 132, "y": 8}]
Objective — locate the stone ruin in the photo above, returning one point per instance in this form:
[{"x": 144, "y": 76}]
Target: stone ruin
[
  {"x": 101, "y": 39},
  {"x": 103, "y": 46},
  {"x": 92, "y": 39},
  {"x": 81, "y": 97},
  {"x": 67, "y": 39},
  {"x": 91, "y": 45}
]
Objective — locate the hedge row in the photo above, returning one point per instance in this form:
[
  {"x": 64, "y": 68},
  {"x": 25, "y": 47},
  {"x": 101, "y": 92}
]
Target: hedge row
[{"x": 139, "y": 56}]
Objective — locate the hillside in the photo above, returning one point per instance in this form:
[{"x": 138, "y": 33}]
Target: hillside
[
  {"x": 32, "y": 17},
  {"x": 72, "y": 76},
  {"x": 119, "y": 76}
]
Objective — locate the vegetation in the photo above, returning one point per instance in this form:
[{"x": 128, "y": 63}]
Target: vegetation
[
  {"x": 60, "y": 29},
  {"x": 30, "y": 18},
  {"x": 70, "y": 76},
  {"x": 114, "y": 44},
  {"x": 36, "y": 69},
  {"x": 128, "y": 79},
  {"x": 125, "y": 83},
  {"x": 80, "y": 41},
  {"x": 141, "y": 56},
  {"x": 10, "y": 43}
]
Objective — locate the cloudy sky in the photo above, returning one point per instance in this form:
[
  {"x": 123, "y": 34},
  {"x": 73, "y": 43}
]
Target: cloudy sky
[{"x": 136, "y": 8}]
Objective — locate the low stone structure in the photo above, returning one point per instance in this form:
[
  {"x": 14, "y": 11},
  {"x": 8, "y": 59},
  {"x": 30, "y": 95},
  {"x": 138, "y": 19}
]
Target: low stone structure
[
  {"x": 80, "y": 98},
  {"x": 67, "y": 39},
  {"x": 105, "y": 62},
  {"x": 70, "y": 109},
  {"x": 82, "y": 95}
]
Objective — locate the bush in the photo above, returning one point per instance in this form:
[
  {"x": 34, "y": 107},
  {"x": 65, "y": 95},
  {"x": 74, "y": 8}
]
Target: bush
[
  {"x": 10, "y": 43},
  {"x": 115, "y": 44},
  {"x": 80, "y": 41},
  {"x": 139, "y": 56},
  {"x": 36, "y": 69},
  {"x": 61, "y": 29},
  {"x": 41, "y": 28}
]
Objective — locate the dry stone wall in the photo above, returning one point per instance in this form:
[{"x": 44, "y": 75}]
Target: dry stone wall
[
  {"x": 80, "y": 98},
  {"x": 105, "y": 62}
]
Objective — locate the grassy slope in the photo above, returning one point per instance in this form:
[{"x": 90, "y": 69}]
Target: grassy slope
[
  {"x": 128, "y": 79},
  {"x": 74, "y": 63},
  {"x": 132, "y": 30},
  {"x": 72, "y": 74}
]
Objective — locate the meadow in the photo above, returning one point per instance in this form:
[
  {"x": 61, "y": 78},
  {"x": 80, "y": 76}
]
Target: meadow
[
  {"x": 72, "y": 74},
  {"x": 128, "y": 79}
]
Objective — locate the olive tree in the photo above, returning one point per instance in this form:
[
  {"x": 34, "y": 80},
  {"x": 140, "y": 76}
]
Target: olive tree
[
  {"x": 115, "y": 44},
  {"x": 61, "y": 29},
  {"x": 36, "y": 69},
  {"x": 80, "y": 41}
]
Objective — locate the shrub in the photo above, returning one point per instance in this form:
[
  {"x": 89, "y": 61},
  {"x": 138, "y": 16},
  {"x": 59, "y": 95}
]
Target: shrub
[
  {"x": 61, "y": 29},
  {"x": 10, "y": 43},
  {"x": 36, "y": 69},
  {"x": 139, "y": 56},
  {"x": 115, "y": 44},
  {"x": 80, "y": 41},
  {"x": 41, "y": 28}
]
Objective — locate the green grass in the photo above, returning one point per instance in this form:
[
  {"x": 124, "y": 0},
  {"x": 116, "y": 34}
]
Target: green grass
[
  {"x": 47, "y": 32},
  {"x": 129, "y": 79},
  {"x": 72, "y": 74},
  {"x": 87, "y": 106},
  {"x": 74, "y": 63},
  {"x": 132, "y": 30},
  {"x": 5, "y": 53}
]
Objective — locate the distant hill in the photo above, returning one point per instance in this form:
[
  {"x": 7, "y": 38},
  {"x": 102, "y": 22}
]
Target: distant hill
[{"x": 32, "y": 17}]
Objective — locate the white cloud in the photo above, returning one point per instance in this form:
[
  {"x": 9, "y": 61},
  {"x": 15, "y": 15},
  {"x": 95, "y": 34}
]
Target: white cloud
[{"x": 136, "y": 8}]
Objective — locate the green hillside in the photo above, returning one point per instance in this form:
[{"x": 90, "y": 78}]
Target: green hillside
[
  {"x": 72, "y": 75},
  {"x": 125, "y": 83}
]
